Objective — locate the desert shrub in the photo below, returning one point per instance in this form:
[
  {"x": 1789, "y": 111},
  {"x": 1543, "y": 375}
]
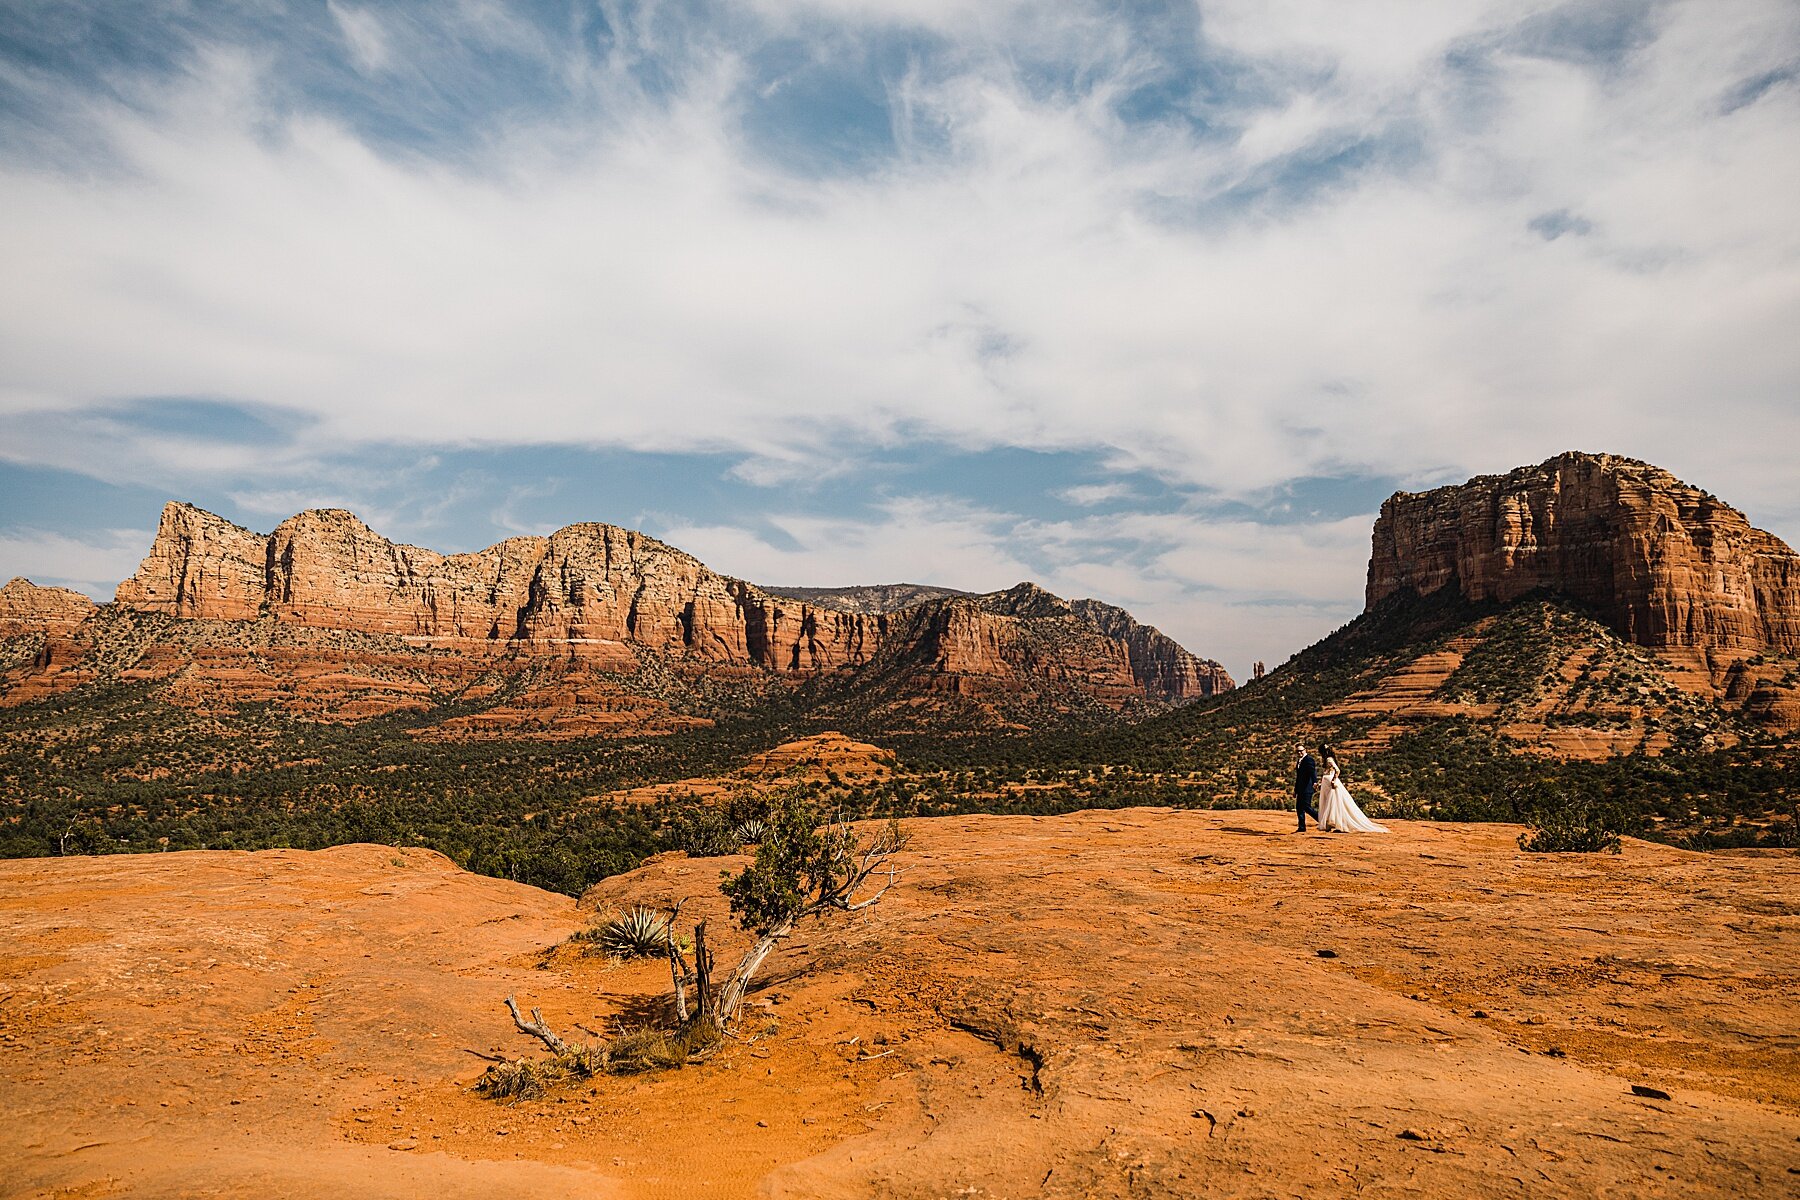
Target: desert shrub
[
  {"x": 1396, "y": 808},
  {"x": 801, "y": 858},
  {"x": 632, "y": 1052},
  {"x": 527, "y": 1078},
  {"x": 704, "y": 833},
  {"x": 638, "y": 932},
  {"x": 751, "y": 832},
  {"x": 1574, "y": 826}
]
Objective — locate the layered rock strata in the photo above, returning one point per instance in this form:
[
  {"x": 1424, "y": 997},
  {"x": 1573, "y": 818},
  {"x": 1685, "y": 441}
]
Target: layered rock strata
[
  {"x": 1665, "y": 564},
  {"x": 46, "y": 656},
  {"x": 202, "y": 566},
  {"x": 592, "y": 591}
]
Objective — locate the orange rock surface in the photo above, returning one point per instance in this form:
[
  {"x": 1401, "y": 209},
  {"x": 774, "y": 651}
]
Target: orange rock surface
[{"x": 1107, "y": 1004}]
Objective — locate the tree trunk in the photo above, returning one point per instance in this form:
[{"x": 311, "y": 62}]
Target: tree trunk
[
  {"x": 703, "y": 988},
  {"x": 676, "y": 971},
  {"x": 733, "y": 994}
]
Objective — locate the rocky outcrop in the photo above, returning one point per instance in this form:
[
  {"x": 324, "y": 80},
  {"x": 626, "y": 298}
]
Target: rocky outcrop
[
  {"x": 597, "y": 591},
  {"x": 1665, "y": 564},
  {"x": 329, "y": 570},
  {"x": 26, "y": 608}
]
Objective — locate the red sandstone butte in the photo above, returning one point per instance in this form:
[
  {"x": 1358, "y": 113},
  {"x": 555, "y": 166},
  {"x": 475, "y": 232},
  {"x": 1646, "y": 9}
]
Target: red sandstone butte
[
  {"x": 1664, "y": 563},
  {"x": 26, "y": 608}
]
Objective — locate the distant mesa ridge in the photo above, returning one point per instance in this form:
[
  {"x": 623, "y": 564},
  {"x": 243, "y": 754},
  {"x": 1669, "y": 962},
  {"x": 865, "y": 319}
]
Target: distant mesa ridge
[
  {"x": 868, "y": 598},
  {"x": 595, "y": 590},
  {"x": 1664, "y": 563}
]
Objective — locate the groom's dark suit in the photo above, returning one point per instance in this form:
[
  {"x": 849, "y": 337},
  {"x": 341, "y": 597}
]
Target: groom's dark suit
[{"x": 1306, "y": 781}]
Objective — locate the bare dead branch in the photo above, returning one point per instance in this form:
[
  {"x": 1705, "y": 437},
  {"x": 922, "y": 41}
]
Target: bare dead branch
[
  {"x": 536, "y": 1027},
  {"x": 893, "y": 878}
]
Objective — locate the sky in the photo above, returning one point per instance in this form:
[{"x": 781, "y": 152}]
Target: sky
[{"x": 1152, "y": 302}]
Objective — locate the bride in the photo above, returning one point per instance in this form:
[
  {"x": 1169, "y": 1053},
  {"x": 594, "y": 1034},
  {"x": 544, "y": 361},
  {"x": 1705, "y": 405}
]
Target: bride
[{"x": 1338, "y": 812}]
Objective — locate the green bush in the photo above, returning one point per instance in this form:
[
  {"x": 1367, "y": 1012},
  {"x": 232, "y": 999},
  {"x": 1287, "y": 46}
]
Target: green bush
[{"x": 704, "y": 832}]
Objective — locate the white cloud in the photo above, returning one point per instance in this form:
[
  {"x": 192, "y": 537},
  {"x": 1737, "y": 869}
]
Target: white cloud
[
  {"x": 1040, "y": 276},
  {"x": 95, "y": 564},
  {"x": 1089, "y": 494}
]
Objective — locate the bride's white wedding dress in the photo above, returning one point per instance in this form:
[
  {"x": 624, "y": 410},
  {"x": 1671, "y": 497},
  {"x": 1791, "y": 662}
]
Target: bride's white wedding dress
[{"x": 1338, "y": 811}]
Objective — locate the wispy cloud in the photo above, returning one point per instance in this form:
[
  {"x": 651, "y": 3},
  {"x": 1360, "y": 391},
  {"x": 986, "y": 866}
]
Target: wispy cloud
[
  {"x": 1089, "y": 494},
  {"x": 363, "y": 33}
]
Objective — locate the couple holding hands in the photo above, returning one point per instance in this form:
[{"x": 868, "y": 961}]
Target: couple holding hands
[{"x": 1335, "y": 809}]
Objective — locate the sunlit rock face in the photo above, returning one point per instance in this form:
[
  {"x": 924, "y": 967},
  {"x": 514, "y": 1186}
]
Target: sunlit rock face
[{"x": 200, "y": 566}]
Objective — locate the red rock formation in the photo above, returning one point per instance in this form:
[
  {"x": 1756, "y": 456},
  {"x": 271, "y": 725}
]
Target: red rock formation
[
  {"x": 596, "y": 592},
  {"x": 329, "y": 570},
  {"x": 200, "y": 565},
  {"x": 1665, "y": 564},
  {"x": 26, "y": 608}
]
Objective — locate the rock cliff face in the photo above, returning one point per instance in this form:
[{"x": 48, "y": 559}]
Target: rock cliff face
[
  {"x": 1158, "y": 662},
  {"x": 1665, "y": 564},
  {"x": 26, "y": 608},
  {"x": 595, "y": 591},
  {"x": 867, "y": 598}
]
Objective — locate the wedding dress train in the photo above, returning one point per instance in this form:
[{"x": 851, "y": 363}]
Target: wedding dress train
[{"x": 1338, "y": 811}]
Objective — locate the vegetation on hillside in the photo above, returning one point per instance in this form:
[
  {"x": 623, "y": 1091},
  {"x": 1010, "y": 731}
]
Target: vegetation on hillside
[{"x": 113, "y": 767}]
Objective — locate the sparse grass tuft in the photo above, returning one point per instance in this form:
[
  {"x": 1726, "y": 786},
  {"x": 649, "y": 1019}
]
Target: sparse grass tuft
[
  {"x": 528, "y": 1078},
  {"x": 632, "y": 1052},
  {"x": 649, "y": 1049}
]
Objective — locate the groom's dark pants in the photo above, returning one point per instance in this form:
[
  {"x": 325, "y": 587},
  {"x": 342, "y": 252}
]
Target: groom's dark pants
[{"x": 1304, "y": 805}]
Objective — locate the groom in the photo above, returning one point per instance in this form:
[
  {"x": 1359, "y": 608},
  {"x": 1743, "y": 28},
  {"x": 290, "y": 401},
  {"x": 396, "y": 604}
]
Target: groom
[{"x": 1306, "y": 781}]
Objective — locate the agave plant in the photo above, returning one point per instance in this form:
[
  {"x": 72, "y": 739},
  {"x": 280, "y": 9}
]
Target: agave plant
[
  {"x": 750, "y": 833},
  {"x": 638, "y": 932}
]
